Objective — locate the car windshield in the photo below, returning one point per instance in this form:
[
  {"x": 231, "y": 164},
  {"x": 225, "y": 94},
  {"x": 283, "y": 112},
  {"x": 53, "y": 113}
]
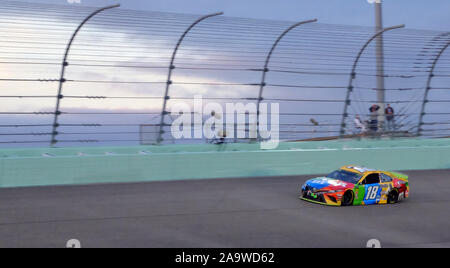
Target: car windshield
[{"x": 346, "y": 176}]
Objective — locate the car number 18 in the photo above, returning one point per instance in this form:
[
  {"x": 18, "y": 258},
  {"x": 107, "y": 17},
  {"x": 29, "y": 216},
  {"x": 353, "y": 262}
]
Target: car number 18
[{"x": 372, "y": 192}]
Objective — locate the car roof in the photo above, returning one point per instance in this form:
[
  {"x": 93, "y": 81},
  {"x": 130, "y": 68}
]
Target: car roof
[{"x": 357, "y": 169}]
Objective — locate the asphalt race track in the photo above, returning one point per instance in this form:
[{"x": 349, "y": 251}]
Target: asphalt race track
[{"x": 254, "y": 212}]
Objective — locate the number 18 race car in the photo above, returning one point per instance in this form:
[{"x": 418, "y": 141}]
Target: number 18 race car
[{"x": 352, "y": 185}]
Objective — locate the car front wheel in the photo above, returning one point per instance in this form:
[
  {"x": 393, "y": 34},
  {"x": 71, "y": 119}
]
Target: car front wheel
[{"x": 347, "y": 199}]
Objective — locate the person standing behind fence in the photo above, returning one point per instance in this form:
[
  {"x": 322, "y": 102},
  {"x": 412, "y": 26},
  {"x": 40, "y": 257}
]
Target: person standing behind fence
[
  {"x": 390, "y": 118},
  {"x": 374, "y": 117},
  {"x": 359, "y": 125}
]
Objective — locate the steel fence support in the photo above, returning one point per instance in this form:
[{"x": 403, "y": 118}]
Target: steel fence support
[
  {"x": 353, "y": 75},
  {"x": 65, "y": 63},
  {"x": 430, "y": 47},
  {"x": 172, "y": 67},
  {"x": 266, "y": 65},
  {"x": 428, "y": 87}
]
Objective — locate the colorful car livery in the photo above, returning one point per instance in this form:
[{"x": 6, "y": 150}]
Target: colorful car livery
[{"x": 353, "y": 185}]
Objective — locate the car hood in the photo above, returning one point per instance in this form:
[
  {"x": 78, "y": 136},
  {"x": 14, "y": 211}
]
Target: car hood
[{"x": 330, "y": 184}]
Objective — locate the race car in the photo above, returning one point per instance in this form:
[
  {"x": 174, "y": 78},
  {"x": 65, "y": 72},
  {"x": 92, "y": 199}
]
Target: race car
[{"x": 354, "y": 186}]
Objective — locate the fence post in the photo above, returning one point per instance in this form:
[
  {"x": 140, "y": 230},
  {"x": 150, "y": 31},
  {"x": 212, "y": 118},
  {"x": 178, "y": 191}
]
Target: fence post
[
  {"x": 353, "y": 75},
  {"x": 266, "y": 65},
  {"x": 62, "y": 80},
  {"x": 428, "y": 87},
  {"x": 172, "y": 67}
]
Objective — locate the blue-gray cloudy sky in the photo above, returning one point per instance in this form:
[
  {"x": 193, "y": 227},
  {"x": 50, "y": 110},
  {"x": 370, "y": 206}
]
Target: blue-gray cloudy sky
[{"x": 420, "y": 14}]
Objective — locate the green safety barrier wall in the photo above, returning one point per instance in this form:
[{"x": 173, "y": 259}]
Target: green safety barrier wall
[{"x": 66, "y": 166}]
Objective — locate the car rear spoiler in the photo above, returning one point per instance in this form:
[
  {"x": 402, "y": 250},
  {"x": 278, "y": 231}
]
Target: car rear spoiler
[{"x": 400, "y": 175}]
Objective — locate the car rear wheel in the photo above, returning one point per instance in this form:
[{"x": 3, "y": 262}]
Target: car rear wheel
[
  {"x": 348, "y": 198},
  {"x": 393, "y": 197}
]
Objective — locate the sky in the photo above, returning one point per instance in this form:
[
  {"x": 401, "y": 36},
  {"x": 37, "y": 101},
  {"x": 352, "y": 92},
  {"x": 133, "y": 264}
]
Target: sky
[{"x": 418, "y": 14}]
